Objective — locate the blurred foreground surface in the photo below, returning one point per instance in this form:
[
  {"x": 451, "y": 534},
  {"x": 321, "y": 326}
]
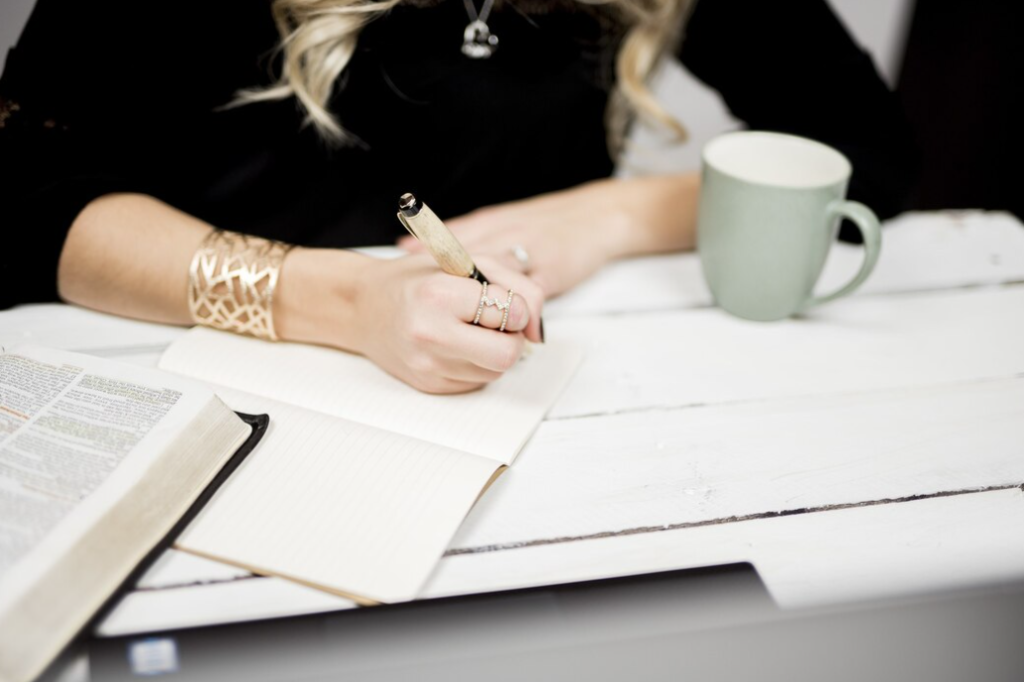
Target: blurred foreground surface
[{"x": 717, "y": 623}]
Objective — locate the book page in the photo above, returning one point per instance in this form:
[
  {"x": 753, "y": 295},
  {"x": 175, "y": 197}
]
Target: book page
[
  {"x": 98, "y": 461},
  {"x": 494, "y": 422},
  {"x": 352, "y": 509},
  {"x": 63, "y": 431}
]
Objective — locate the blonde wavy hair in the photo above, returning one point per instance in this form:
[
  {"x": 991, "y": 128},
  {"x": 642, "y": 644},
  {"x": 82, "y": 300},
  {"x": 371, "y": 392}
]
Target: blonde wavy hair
[{"x": 319, "y": 37}]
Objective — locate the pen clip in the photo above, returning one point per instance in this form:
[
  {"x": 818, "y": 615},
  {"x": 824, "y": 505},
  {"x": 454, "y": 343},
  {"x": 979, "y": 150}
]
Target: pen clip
[
  {"x": 402, "y": 219},
  {"x": 439, "y": 241}
]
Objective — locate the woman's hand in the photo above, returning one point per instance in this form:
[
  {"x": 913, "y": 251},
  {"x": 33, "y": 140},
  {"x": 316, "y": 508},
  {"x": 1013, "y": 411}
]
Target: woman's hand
[
  {"x": 569, "y": 235},
  {"x": 408, "y": 316}
]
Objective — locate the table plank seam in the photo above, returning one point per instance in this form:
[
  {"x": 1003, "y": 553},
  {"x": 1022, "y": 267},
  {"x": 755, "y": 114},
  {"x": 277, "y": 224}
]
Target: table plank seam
[
  {"x": 498, "y": 547},
  {"x": 640, "y": 530},
  {"x": 199, "y": 583}
]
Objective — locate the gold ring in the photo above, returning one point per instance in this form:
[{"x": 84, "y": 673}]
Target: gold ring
[
  {"x": 504, "y": 314},
  {"x": 483, "y": 302}
]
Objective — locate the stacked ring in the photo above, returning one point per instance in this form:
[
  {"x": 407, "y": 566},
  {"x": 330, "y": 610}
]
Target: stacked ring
[
  {"x": 483, "y": 302},
  {"x": 495, "y": 303},
  {"x": 504, "y": 314}
]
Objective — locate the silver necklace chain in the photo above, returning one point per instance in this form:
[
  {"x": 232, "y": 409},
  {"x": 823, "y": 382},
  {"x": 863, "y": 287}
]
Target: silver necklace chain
[
  {"x": 477, "y": 40},
  {"x": 485, "y": 11}
]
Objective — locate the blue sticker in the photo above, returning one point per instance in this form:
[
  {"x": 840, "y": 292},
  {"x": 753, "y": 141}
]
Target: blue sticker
[{"x": 153, "y": 656}]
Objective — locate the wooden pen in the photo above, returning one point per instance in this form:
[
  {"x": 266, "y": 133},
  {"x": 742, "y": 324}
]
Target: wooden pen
[{"x": 424, "y": 224}]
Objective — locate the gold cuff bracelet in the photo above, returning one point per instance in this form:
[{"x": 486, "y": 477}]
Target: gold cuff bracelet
[{"x": 232, "y": 280}]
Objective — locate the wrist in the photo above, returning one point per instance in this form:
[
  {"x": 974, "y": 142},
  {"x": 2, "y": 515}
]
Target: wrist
[{"x": 316, "y": 297}]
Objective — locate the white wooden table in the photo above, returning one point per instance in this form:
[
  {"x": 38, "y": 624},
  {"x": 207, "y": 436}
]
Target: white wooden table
[{"x": 872, "y": 449}]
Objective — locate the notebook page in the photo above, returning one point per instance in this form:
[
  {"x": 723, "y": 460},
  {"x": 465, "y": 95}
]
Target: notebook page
[
  {"x": 337, "y": 505},
  {"x": 494, "y": 422}
]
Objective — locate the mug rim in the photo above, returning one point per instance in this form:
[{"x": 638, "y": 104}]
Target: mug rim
[{"x": 846, "y": 168}]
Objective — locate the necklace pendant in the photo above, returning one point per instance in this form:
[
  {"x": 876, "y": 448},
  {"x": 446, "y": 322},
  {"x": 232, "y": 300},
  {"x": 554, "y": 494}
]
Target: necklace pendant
[{"x": 477, "y": 41}]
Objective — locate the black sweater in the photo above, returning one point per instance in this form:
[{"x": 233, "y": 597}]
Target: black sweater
[{"x": 127, "y": 96}]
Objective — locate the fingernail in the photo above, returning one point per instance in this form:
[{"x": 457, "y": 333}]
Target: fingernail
[{"x": 542, "y": 330}]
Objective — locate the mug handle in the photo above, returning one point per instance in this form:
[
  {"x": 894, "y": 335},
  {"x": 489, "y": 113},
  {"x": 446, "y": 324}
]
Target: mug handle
[{"x": 870, "y": 230}]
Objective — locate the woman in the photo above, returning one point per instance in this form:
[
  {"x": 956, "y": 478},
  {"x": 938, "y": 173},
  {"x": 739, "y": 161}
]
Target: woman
[{"x": 131, "y": 131}]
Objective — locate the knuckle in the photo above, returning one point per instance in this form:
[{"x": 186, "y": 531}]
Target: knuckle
[
  {"x": 424, "y": 365},
  {"x": 419, "y": 334},
  {"x": 422, "y": 333}
]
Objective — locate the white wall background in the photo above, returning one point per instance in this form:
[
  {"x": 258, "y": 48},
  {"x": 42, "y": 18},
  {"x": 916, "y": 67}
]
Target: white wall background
[
  {"x": 879, "y": 25},
  {"x": 13, "y": 15}
]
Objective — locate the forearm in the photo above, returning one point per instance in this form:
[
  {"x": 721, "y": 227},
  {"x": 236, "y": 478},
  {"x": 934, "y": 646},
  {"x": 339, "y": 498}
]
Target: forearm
[
  {"x": 129, "y": 254},
  {"x": 660, "y": 213}
]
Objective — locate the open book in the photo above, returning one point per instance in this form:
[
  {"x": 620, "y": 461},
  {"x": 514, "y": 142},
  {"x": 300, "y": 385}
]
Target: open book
[
  {"x": 100, "y": 463},
  {"x": 361, "y": 481}
]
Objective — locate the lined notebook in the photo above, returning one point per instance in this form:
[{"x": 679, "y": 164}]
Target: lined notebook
[{"x": 361, "y": 481}]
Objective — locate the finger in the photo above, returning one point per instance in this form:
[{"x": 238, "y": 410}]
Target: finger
[
  {"x": 462, "y": 369},
  {"x": 523, "y": 286},
  {"x": 492, "y": 353},
  {"x": 492, "y": 313},
  {"x": 467, "y": 360},
  {"x": 442, "y": 385}
]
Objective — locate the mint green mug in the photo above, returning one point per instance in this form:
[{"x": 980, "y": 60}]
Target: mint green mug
[{"x": 770, "y": 206}]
